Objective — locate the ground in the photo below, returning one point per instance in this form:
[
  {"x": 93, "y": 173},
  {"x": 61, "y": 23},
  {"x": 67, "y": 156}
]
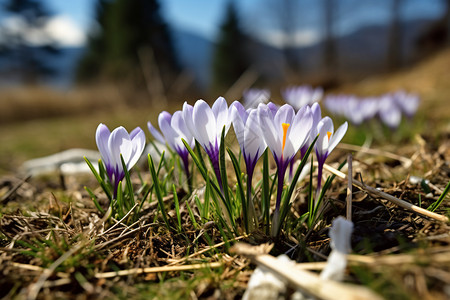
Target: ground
[{"x": 55, "y": 244}]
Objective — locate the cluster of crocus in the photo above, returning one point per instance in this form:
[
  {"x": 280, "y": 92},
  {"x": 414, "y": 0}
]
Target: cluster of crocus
[
  {"x": 282, "y": 130},
  {"x": 299, "y": 96},
  {"x": 117, "y": 145},
  {"x": 388, "y": 107}
]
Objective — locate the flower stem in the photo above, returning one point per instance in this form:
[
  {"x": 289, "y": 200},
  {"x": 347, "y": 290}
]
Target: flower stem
[
  {"x": 276, "y": 215},
  {"x": 250, "y": 205}
]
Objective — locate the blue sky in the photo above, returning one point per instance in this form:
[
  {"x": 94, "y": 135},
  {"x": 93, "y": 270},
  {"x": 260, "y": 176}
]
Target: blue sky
[{"x": 204, "y": 16}]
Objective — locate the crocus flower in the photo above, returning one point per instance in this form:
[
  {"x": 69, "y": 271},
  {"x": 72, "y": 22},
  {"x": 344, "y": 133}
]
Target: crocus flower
[
  {"x": 250, "y": 138},
  {"x": 206, "y": 124},
  {"x": 316, "y": 115},
  {"x": 173, "y": 128},
  {"x": 248, "y": 133},
  {"x": 299, "y": 96},
  {"x": 327, "y": 141},
  {"x": 118, "y": 142},
  {"x": 389, "y": 112},
  {"x": 284, "y": 133},
  {"x": 408, "y": 103},
  {"x": 253, "y": 97}
]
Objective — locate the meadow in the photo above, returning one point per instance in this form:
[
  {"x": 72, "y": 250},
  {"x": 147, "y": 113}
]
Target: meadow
[{"x": 172, "y": 242}]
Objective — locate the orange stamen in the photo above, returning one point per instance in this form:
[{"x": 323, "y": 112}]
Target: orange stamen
[
  {"x": 285, "y": 129},
  {"x": 329, "y": 135}
]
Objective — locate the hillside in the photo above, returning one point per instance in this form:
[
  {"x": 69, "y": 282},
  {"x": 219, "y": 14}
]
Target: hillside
[{"x": 430, "y": 79}]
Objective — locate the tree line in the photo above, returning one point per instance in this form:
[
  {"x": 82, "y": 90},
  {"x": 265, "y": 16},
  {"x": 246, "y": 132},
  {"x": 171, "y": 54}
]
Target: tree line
[{"x": 131, "y": 44}]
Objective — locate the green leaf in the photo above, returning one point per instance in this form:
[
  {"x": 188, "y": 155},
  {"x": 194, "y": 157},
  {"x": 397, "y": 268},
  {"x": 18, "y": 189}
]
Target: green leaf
[
  {"x": 94, "y": 199},
  {"x": 438, "y": 202},
  {"x": 191, "y": 216},
  {"x": 177, "y": 206},
  {"x": 287, "y": 196},
  {"x": 157, "y": 189},
  {"x": 205, "y": 208},
  {"x": 265, "y": 195},
  {"x": 129, "y": 203},
  {"x": 198, "y": 149},
  {"x": 100, "y": 180},
  {"x": 120, "y": 204},
  {"x": 205, "y": 175},
  {"x": 240, "y": 188},
  {"x": 223, "y": 170}
]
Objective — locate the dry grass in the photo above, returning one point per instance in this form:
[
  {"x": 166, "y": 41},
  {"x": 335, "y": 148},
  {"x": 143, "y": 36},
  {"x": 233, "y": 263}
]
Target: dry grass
[{"x": 54, "y": 244}]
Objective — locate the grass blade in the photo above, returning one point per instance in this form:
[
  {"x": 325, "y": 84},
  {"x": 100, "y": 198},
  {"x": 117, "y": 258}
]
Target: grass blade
[
  {"x": 265, "y": 194},
  {"x": 177, "y": 206},
  {"x": 240, "y": 188},
  {"x": 157, "y": 189},
  {"x": 94, "y": 199},
  {"x": 438, "y": 202},
  {"x": 100, "y": 180}
]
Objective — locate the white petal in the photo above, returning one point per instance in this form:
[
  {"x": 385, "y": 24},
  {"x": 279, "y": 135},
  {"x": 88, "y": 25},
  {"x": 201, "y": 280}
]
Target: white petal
[
  {"x": 205, "y": 124},
  {"x": 300, "y": 129},
  {"x": 270, "y": 132},
  {"x": 254, "y": 141},
  {"x": 156, "y": 134},
  {"x": 179, "y": 125},
  {"x": 120, "y": 143},
  {"x": 285, "y": 114},
  {"x": 325, "y": 125},
  {"x": 101, "y": 138},
  {"x": 316, "y": 113},
  {"x": 165, "y": 126},
  {"x": 337, "y": 137},
  {"x": 138, "y": 143},
  {"x": 188, "y": 111},
  {"x": 238, "y": 124},
  {"x": 273, "y": 108},
  {"x": 220, "y": 110}
]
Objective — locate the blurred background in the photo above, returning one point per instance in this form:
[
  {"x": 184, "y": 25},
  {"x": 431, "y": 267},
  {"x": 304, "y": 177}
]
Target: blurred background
[{"x": 66, "y": 66}]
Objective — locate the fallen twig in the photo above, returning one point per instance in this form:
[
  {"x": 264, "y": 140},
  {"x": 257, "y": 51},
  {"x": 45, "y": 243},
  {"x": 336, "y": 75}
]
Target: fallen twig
[
  {"x": 158, "y": 270},
  {"x": 349, "y": 187},
  {"x": 305, "y": 281},
  {"x": 5, "y": 199},
  {"x": 206, "y": 250},
  {"x": 399, "y": 202}
]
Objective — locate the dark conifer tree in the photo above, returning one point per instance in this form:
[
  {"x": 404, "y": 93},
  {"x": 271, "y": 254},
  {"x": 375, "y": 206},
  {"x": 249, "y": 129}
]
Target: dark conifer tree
[
  {"x": 230, "y": 59},
  {"x": 129, "y": 31},
  {"x": 93, "y": 60},
  {"x": 26, "y": 62}
]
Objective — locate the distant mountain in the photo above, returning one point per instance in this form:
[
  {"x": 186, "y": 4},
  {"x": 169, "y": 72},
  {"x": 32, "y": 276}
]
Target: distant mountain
[
  {"x": 195, "y": 54},
  {"x": 63, "y": 63},
  {"x": 361, "y": 53}
]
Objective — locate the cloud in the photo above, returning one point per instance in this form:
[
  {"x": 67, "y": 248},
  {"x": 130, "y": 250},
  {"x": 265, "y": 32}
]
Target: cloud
[
  {"x": 64, "y": 31},
  {"x": 59, "y": 29},
  {"x": 300, "y": 38}
]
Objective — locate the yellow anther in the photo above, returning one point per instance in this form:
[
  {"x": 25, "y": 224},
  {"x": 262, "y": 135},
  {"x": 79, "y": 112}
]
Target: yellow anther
[
  {"x": 329, "y": 135},
  {"x": 285, "y": 129}
]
